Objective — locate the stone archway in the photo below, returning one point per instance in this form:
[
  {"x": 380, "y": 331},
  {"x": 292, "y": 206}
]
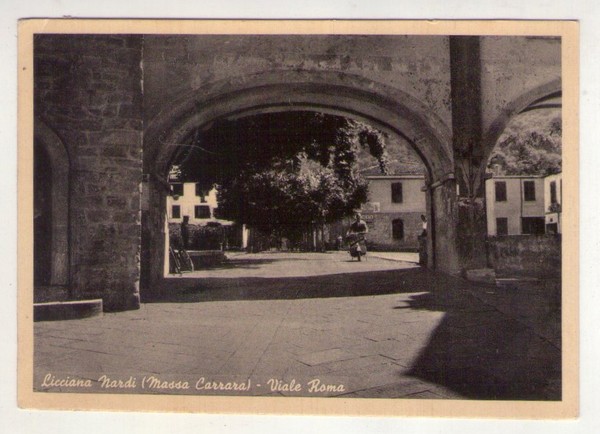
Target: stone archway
[
  {"x": 512, "y": 109},
  {"x": 53, "y": 203},
  {"x": 383, "y": 107},
  {"x": 332, "y": 92}
]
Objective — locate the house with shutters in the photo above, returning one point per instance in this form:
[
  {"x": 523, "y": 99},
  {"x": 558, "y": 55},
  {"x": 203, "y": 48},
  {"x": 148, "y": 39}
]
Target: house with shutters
[
  {"x": 515, "y": 205},
  {"x": 189, "y": 199}
]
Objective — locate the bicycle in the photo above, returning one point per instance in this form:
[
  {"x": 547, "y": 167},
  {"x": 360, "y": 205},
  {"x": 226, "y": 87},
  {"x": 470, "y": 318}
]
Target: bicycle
[{"x": 180, "y": 261}]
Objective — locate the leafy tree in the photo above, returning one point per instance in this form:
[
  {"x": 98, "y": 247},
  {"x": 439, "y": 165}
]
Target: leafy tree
[
  {"x": 283, "y": 172},
  {"x": 530, "y": 152},
  {"x": 286, "y": 200}
]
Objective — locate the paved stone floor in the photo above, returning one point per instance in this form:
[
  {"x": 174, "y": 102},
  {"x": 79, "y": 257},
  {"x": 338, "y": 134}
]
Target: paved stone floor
[{"x": 312, "y": 325}]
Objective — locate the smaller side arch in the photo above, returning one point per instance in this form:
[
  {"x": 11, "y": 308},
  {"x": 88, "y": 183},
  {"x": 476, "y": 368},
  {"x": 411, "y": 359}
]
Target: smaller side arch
[
  {"x": 59, "y": 170},
  {"x": 515, "y": 107}
]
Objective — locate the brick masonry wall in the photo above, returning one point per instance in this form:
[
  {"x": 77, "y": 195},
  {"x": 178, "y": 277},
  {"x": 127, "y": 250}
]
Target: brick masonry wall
[
  {"x": 88, "y": 90},
  {"x": 527, "y": 255}
]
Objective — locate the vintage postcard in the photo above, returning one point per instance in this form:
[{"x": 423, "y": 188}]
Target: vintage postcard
[{"x": 308, "y": 217}]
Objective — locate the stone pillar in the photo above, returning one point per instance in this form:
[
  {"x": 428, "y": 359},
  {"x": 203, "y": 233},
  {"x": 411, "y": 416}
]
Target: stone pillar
[
  {"x": 469, "y": 152},
  {"x": 442, "y": 227}
]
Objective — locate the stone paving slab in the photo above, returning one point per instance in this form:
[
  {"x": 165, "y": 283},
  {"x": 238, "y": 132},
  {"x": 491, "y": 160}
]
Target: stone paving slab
[{"x": 399, "y": 341}]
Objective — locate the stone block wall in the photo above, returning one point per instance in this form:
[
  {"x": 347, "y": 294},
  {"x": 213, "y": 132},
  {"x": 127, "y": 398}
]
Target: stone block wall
[
  {"x": 180, "y": 64},
  {"x": 526, "y": 255},
  {"x": 88, "y": 90},
  {"x": 380, "y": 236}
]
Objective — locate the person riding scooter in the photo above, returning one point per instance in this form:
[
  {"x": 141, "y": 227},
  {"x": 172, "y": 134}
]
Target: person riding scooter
[{"x": 356, "y": 237}]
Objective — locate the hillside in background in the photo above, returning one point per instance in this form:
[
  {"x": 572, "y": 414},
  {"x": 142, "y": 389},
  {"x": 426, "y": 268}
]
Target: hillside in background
[{"x": 530, "y": 145}]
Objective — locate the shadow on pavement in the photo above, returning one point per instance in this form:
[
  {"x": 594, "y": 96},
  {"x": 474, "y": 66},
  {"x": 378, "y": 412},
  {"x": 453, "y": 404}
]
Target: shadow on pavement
[
  {"x": 247, "y": 261},
  {"x": 483, "y": 354},
  {"x": 242, "y": 263},
  {"x": 286, "y": 288},
  {"x": 476, "y": 350}
]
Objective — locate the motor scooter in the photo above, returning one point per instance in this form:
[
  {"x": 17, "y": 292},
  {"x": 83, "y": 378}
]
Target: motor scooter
[{"x": 356, "y": 245}]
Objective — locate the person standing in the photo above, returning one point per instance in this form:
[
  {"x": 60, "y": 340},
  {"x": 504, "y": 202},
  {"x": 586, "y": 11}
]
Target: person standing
[
  {"x": 185, "y": 232},
  {"x": 423, "y": 242}
]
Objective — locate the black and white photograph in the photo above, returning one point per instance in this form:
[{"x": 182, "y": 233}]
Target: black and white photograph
[{"x": 347, "y": 212}]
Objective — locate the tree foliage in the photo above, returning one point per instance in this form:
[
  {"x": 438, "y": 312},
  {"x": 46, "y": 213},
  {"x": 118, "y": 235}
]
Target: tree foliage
[
  {"x": 284, "y": 200},
  {"x": 282, "y": 172},
  {"x": 530, "y": 152}
]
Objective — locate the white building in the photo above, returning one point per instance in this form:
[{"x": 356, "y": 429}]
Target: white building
[
  {"x": 188, "y": 199},
  {"x": 515, "y": 205},
  {"x": 394, "y": 209}
]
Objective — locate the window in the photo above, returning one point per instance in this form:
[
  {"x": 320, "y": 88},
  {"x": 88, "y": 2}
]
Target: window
[
  {"x": 176, "y": 212},
  {"x": 501, "y": 226},
  {"x": 500, "y": 187},
  {"x": 529, "y": 191},
  {"x": 533, "y": 225},
  {"x": 202, "y": 212},
  {"x": 398, "y": 229},
  {"x": 553, "y": 192},
  {"x": 201, "y": 193},
  {"x": 397, "y": 192},
  {"x": 177, "y": 189}
]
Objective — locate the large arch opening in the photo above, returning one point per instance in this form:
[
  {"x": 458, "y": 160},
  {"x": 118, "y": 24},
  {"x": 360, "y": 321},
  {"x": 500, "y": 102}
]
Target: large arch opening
[
  {"x": 291, "y": 181},
  {"x": 51, "y": 215},
  {"x": 542, "y": 98},
  {"x": 388, "y": 110}
]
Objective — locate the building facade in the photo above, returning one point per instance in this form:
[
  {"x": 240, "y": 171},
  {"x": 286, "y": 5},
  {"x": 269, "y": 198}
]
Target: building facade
[
  {"x": 393, "y": 211},
  {"x": 189, "y": 199},
  {"x": 515, "y": 205}
]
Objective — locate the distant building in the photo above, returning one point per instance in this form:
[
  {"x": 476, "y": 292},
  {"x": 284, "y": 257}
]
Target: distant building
[
  {"x": 553, "y": 203},
  {"x": 515, "y": 205},
  {"x": 188, "y": 199},
  {"x": 392, "y": 213}
]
